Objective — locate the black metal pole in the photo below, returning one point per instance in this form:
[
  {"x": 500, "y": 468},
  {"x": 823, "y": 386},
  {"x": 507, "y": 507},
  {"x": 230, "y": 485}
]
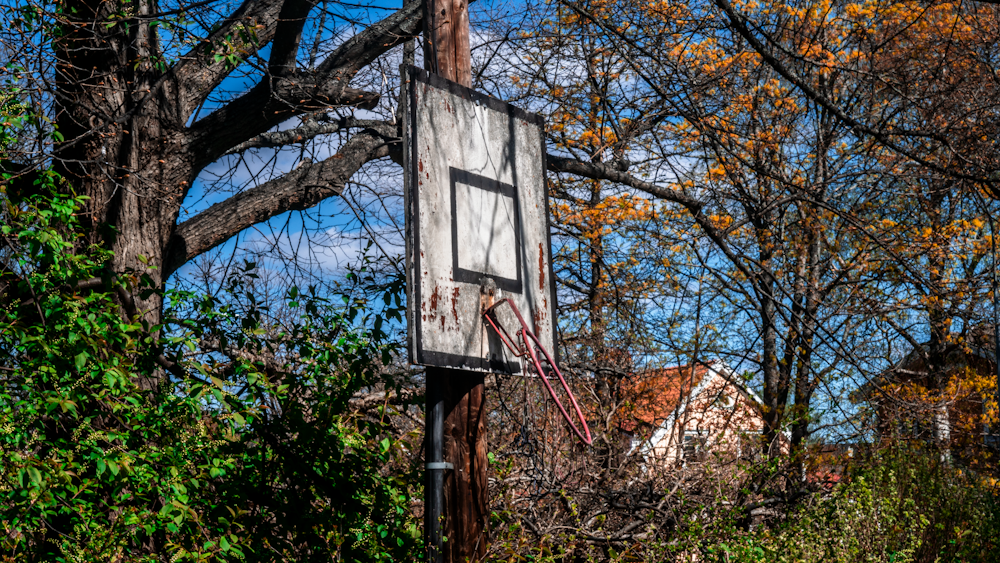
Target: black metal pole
[{"x": 434, "y": 465}]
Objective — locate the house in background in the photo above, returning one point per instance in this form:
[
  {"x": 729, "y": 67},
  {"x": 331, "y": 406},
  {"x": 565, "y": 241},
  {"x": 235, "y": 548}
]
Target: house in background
[
  {"x": 684, "y": 414},
  {"x": 827, "y": 464},
  {"x": 911, "y": 403}
]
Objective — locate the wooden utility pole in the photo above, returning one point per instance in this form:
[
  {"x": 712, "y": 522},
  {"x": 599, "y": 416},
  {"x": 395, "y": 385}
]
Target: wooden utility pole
[
  {"x": 455, "y": 398},
  {"x": 446, "y": 40}
]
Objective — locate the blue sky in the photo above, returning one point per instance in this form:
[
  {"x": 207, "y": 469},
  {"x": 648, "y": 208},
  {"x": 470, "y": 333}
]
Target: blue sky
[{"x": 339, "y": 228}]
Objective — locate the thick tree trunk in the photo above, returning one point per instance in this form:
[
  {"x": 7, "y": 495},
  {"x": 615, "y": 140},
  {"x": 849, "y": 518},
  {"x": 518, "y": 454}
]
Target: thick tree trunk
[
  {"x": 128, "y": 148},
  {"x": 122, "y": 150}
]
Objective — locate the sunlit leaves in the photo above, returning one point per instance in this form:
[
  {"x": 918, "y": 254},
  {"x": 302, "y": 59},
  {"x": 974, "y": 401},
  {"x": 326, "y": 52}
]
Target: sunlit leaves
[{"x": 206, "y": 436}]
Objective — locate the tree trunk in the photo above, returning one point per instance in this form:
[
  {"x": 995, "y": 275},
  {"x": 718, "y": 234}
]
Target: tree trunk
[
  {"x": 804, "y": 340},
  {"x": 128, "y": 147},
  {"x": 775, "y": 378}
]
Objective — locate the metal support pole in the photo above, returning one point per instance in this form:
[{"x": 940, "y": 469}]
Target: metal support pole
[{"x": 435, "y": 466}]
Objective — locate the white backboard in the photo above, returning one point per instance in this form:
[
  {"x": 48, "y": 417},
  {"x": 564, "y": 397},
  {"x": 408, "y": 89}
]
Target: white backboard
[{"x": 477, "y": 210}]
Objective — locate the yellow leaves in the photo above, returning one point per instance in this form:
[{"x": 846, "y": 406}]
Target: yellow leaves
[
  {"x": 720, "y": 221},
  {"x": 967, "y": 395},
  {"x": 716, "y": 172},
  {"x": 601, "y": 218},
  {"x": 598, "y": 138},
  {"x": 859, "y": 11}
]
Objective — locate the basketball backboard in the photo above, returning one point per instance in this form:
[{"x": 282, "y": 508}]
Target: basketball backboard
[{"x": 477, "y": 219}]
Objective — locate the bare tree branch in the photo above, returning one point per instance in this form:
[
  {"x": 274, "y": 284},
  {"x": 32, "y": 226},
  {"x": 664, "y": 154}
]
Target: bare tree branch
[
  {"x": 198, "y": 73},
  {"x": 287, "y": 36},
  {"x": 265, "y": 106},
  {"x": 299, "y": 189},
  {"x": 275, "y": 99},
  {"x": 309, "y": 130},
  {"x": 360, "y": 50},
  {"x": 602, "y": 171}
]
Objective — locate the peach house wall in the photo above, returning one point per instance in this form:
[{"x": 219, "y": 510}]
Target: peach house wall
[{"x": 725, "y": 425}]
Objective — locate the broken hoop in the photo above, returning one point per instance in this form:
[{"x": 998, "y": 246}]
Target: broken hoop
[{"x": 529, "y": 342}]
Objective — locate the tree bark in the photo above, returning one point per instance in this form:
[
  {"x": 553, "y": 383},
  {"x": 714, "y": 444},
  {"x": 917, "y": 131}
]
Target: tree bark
[{"x": 128, "y": 145}]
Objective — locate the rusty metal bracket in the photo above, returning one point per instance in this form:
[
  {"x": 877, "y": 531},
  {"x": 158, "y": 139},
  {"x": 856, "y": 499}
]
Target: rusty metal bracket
[{"x": 439, "y": 465}]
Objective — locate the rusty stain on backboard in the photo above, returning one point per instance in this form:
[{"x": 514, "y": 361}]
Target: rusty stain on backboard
[
  {"x": 541, "y": 267},
  {"x": 434, "y": 299}
]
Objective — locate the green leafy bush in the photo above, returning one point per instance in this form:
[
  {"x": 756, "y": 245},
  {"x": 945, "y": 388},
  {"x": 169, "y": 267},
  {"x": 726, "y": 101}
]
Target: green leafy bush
[
  {"x": 902, "y": 505},
  {"x": 219, "y": 434}
]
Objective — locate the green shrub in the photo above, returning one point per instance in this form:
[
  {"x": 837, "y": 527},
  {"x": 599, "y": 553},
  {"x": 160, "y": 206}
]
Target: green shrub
[
  {"x": 217, "y": 435},
  {"x": 898, "y": 506}
]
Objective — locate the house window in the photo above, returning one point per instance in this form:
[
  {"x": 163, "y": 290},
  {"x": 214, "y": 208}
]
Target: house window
[
  {"x": 695, "y": 442},
  {"x": 723, "y": 401},
  {"x": 635, "y": 442}
]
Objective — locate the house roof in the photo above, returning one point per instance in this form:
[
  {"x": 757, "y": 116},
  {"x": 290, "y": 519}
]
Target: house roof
[
  {"x": 956, "y": 357},
  {"x": 657, "y": 394}
]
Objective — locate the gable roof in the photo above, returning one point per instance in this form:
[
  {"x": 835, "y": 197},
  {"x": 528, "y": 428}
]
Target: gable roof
[
  {"x": 657, "y": 393},
  {"x": 912, "y": 365},
  {"x": 660, "y": 395}
]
